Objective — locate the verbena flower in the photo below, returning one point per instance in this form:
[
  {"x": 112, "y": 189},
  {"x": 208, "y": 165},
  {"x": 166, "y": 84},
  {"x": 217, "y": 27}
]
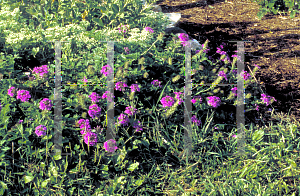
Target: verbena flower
[
  {"x": 177, "y": 96},
  {"x": 156, "y": 83},
  {"x": 135, "y": 87},
  {"x": 167, "y": 101},
  {"x": 183, "y": 37},
  {"x": 130, "y": 110},
  {"x": 137, "y": 126},
  {"x": 23, "y": 95},
  {"x": 266, "y": 99},
  {"x": 123, "y": 120},
  {"x": 40, "y": 71},
  {"x": 110, "y": 145},
  {"x": 196, "y": 120},
  {"x": 84, "y": 79},
  {"x": 149, "y": 29},
  {"x": 84, "y": 125},
  {"x": 94, "y": 111},
  {"x": 105, "y": 70},
  {"x": 11, "y": 91},
  {"x": 245, "y": 75},
  {"x": 95, "y": 97},
  {"x": 20, "y": 121},
  {"x": 234, "y": 136},
  {"x": 234, "y": 91},
  {"x": 196, "y": 98},
  {"x": 121, "y": 86},
  {"x": 90, "y": 138},
  {"x": 214, "y": 101},
  {"x": 40, "y": 130},
  {"x": 223, "y": 74},
  {"x": 123, "y": 29},
  {"x": 45, "y": 104},
  {"x": 107, "y": 95}
]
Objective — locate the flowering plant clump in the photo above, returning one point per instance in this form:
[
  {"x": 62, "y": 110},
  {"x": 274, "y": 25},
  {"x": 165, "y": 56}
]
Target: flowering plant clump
[
  {"x": 90, "y": 138},
  {"x": 110, "y": 145},
  {"x": 156, "y": 83},
  {"x": 45, "y": 104},
  {"x": 121, "y": 86},
  {"x": 41, "y": 71},
  {"x": 11, "y": 91},
  {"x": 40, "y": 130},
  {"x": 94, "y": 111},
  {"x": 23, "y": 95},
  {"x": 130, "y": 111},
  {"x": 167, "y": 101},
  {"x": 95, "y": 97}
]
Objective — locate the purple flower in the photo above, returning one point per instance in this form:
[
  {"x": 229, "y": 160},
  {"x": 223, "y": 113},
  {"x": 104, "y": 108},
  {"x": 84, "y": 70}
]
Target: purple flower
[
  {"x": 94, "y": 111},
  {"x": 126, "y": 50},
  {"x": 123, "y": 120},
  {"x": 206, "y": 50},
  {"x": 197, "y": 51},
  {"x": 257, "y": 106},
  {"x": 134, "y": 87},
  {"x": 214, "y": 101},
  {"x": 23, "y": 95},
  {"x": 40, "y": 130},
  {"x": 183, "y": 37},
  {"x": 11, "y": 91},
  {"x": 257, "y": 66},
  {"x": 85, "y": 125},
  {"x": 245, "y": 75},
  {"x": 105, "y": 70},
  {"x": 137, "y": 126},
  {"x": 90, "y": 138},
  {"x": 84, "y": 79},
  {"x": 40, "y": 71},
  {"x": 196, "y": 98},
  {"x": 149, "y": 29},
  {"x": 110, "y": 145},
  {"x": 121, "y": 86},
  {"x": 177, "y": 96},
  {"x": 234, "y": 90},
  {"x": 266, "y": 99},
  {"x": 107, "y": 95},
  {"x": 45, "y": 104},
  {"x": 130, "y": 111},
  {"x": 234, "y": 136},
  {"x": 195, "y": 120},
  {"x": 167, "y": 101},
  {"x": 156, "y": 83},
  {"x": 223, "y": 74},
  {"x": 20, "y": 121},
  {"x": 95, "y": 97}
]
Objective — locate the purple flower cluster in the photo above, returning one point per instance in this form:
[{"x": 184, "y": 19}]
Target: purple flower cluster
[
  {"x": 196, "y": 98},
  {"x": 94, "y": 111},
  {"x": 121, "y": 86},
  {"x": 167, "y": 101},
  {"x": 45, "y": 104},
  {"x": 40, "y": 130},
  {"x": 123, "y": 120},
  {"x": 107, "y": 95},
  {"x": 156, "y": 83},
  {"x": 266, "y": 99},
  {"x": 105, "y": 70},
  {"x": 23, "y": 95},
  {"x": 195, "y": 120},
  {"x": 110, "y": 145},
  {"x": 130, "y": 111},
  {"x": 183, "y": 37},
  {"x": 135, "y": 87},
  {"x": 214, "y": 101},
  {"x": 40, "y": 71},
  {"x": 90, "y": 138},
  {"x": 11, "y": 91},
  {"x": 95, "y": 97},
  {"x": 137, "y": 126},
  {"x": 126, "y": 50},
  {"x": 149, "y": 29}
]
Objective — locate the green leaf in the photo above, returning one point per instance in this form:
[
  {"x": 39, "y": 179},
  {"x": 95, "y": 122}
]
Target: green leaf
[
  {"x": 98, "y": 21},
  {"x": 139, "y": 182},
  {"x": 115, "y": 8},
  {"x": 45, "y": 182},
  {"x": 133, "y": 166},
  {"x": 57, "y": 157},
  {"x": 28, "y": 178},
  {"x": 257, "y": 136}
]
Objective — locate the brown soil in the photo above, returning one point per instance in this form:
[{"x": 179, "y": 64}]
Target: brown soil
[{"x": 274, "y": 46}]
